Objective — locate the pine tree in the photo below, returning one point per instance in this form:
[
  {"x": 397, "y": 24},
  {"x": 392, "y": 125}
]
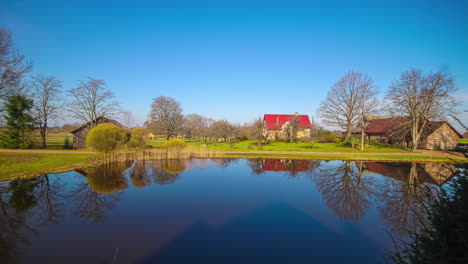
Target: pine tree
[{"x": 19, "y": 123}]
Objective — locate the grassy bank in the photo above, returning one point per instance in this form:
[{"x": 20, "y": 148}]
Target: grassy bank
[
  {"x": 30, "y": 164},
  {"x": 251, "y": 145},
  {"x": 15, "y": 165}
]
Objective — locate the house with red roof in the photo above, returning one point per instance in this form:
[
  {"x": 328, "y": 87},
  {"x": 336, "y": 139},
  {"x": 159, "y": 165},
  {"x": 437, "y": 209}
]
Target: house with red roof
[
  {"x": 437, "y": 135},
  {"x": 275, "y": 125}
]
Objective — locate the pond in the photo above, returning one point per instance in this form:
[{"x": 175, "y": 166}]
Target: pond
[{"x": 215, "y": 211}]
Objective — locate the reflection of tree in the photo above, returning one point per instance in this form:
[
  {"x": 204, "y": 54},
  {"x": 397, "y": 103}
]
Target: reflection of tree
[
  {"x": 108, "y": 178},
  {"x": 91, "y": 205},
  {"x": 14, "y": 231},
  {"x": 139, "y": 174},
  {"x": 345, "y": 190},
  {"x": 403, "y": 201},
  {"x": 22, "y": 197},
  {"x": 161, "y": 176},
  {"x": 173, "y": 166},
  {"x": 224, "y": 162},
  {"x": 96, "y": 197},
  {"x": 50, "y": 196},
  {"x": 256, "y": 165}
]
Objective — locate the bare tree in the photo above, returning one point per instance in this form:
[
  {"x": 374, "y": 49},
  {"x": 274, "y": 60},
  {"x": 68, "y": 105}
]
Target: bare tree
[
  {"x": 128, "y": 119},
  {"x": 348, "y": 100},
  {"x": 91, "y": 99},
  {"x": 194, "y": 126},
  {"x": 257, "y": 130},
  {"x": 421, "y": 97},
  {"x": 291, "y": 128},
  {"x": 222, "y": 129},
  {"x": 166, "y": 115},
  {"x": 47, "y": 102},
  {"x": 13, "y": 65}
]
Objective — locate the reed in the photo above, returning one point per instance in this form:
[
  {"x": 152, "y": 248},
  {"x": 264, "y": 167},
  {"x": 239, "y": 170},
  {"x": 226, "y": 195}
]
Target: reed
[{"x": 159, "y": 154}]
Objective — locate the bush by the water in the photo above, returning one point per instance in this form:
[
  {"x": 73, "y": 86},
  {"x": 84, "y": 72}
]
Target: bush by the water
[
  {"x": 327, "y": 137},
  {"x": 443, "y": 237},
  {"x": 138, "y": 138},
  {"x": 174, "y": 143},
  {"x": 106, "y": 138},
  {"x": 67, "y": 144}
]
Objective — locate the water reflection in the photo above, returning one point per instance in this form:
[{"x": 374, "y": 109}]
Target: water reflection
[
  {"x": 349, "y": 190},
  {"x": 139, "y": 174},
  {"x": 404, "y": 191},
  {"x": 345, "y": 189}
]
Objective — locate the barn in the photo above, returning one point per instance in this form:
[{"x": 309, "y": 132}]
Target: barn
[
  {"x": 80, "y": 134},
  {"x": 438, "y": 135}
]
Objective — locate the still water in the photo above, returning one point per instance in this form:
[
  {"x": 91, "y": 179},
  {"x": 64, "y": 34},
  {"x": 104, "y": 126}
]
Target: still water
[{"x": 215, "y": 211}]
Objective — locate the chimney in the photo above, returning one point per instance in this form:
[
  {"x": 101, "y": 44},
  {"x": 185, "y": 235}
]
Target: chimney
[
  {"x": 277, "y": 120},
  {"x": 296, "y": 113}
]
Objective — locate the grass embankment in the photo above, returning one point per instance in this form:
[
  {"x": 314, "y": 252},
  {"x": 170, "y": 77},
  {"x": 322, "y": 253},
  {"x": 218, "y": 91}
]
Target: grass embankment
[
  {"x": 21, "y": 165},
  {"x": 29, "y": 164},
  {"x": 251, "y": 145}
]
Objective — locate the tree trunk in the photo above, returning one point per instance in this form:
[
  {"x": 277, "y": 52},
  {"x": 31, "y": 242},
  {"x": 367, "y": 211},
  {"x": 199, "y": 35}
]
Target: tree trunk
[
  {"x": 348, "y": 133},
  {"x": 43, "y": 135}
]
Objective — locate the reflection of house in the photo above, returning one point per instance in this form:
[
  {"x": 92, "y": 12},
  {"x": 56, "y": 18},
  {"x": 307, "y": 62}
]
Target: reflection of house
[
  {"x": 275, "y": 126},
  {"x": 434, "y": 173},
  {"x": 285, "y": 165},
  {"x": 436, "y": 136},
  {"x": 80, "y": 134}
]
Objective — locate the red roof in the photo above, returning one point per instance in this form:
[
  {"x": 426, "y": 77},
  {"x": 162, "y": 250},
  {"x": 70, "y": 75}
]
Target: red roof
[
  {"x": 275, "y": 122},
  {"x": 381, "y": 126}
]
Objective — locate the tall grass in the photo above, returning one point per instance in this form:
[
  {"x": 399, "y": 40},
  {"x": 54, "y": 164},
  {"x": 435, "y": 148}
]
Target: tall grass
[{"x": 160, "y": 153}]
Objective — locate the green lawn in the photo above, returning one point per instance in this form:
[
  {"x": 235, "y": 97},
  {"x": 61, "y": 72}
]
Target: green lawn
[
  {"x": 374, "y": 147},
  {"x": 24, "y": 164}
]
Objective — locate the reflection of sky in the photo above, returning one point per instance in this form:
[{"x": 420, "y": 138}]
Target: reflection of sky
[{"x": 220, "y": 200}]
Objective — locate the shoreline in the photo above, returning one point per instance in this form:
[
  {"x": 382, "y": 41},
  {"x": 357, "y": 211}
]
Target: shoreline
[{"x": 91, "y": 159}]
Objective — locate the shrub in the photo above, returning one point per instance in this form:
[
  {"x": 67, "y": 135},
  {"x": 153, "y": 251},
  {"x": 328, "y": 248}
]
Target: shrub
[
  {"x": 67, "y": 144},
  {"x": 260, "y": 146},
  {"x": 106, "y": 138},
  {"x": 174, "y": 143},
  {"x": 327, "y": 138},
  {"x": 232, "y": 143},
  {"x": 138, "y": 139}
]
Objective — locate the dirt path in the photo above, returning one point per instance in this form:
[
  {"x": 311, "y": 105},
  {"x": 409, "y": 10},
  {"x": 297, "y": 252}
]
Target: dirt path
[{"x": 445, "y": 154}]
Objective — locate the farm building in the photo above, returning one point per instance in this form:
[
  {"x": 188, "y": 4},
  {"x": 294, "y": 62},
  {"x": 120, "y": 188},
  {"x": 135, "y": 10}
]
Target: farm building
[
  {"x": 80, "y": 134},
  {"x": 438, "y": 135},
  {"x": 275, "y": 125}
]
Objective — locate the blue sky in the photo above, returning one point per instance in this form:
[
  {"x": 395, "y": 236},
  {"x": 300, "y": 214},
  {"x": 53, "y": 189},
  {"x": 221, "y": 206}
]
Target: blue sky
[{"x": 238, "y": 59}]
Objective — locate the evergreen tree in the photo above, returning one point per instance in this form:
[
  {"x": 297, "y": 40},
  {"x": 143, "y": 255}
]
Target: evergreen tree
[{"x": 19, "y": 123}]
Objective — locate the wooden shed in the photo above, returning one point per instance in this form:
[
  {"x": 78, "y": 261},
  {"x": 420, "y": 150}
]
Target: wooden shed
[
  {"x": 437, "y": 135},
  {"x": 80, "y": 134}
]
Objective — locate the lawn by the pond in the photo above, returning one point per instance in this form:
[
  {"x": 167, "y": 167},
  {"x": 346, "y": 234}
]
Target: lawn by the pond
[
  {"x": 251, "y": 145},
  {"x": 30, "y": 164},
  {"x": 14, "y": 165}
]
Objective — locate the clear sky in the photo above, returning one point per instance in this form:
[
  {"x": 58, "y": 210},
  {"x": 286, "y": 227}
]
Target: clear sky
[{"x": 238, "y": 59}]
